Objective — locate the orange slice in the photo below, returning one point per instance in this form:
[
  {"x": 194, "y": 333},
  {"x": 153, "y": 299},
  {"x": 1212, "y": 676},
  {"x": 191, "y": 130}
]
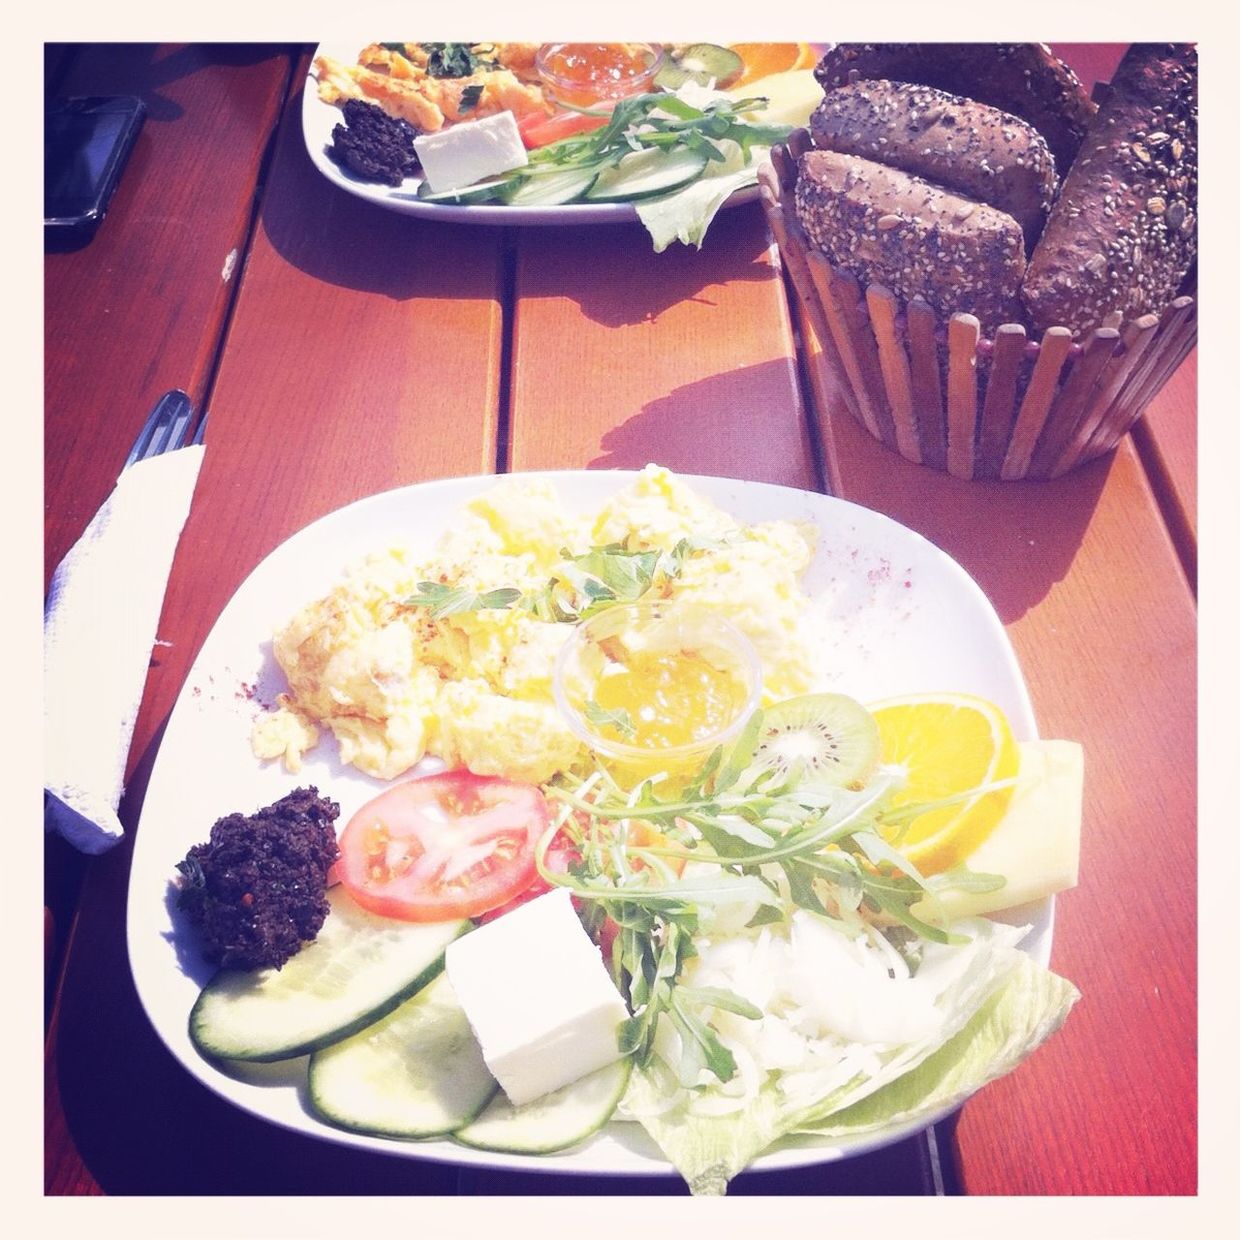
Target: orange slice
[
  {"x": 763, "y": 59},
  {"x": 948, "y": 744}
]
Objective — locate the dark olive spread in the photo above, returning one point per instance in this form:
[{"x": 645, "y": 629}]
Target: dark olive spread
[
  {"x": 257, "y": 891},
  {"x": 373, "y": 145}
]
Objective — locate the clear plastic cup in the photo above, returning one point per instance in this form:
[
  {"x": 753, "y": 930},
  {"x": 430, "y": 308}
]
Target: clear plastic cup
[
  {"x": 654, "y": 688},
  {"x": 584, "y": 73}
]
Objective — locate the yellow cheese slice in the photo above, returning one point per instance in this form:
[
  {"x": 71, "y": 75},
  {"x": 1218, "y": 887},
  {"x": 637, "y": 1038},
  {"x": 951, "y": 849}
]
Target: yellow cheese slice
[
  {"x": 791, "y": 97},
  {"x": 1037, "y": 844}
]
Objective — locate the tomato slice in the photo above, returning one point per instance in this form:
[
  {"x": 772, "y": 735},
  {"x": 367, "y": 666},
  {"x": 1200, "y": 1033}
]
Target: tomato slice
[
  {"x": 538, "y": 129},
  {"x": 561, "y": 853},
  {"x": 443, "y": 846}
]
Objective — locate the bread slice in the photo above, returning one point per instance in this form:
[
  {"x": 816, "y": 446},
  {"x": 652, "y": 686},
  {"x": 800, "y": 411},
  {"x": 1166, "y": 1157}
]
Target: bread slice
[
  {"x": 917, "y": 239},
  {"x": 1123, "y": 234},
  {"x": 967, "y": 147},
  {"x": 1026, "y": 79}
]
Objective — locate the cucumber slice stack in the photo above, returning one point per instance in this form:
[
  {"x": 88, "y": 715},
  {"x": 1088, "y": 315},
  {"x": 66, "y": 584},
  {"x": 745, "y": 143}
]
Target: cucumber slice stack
[
  {"x": 358, "y": 969},
  {"x": 418, "y": 1072},
  {"x": 391, "y": 1051}
]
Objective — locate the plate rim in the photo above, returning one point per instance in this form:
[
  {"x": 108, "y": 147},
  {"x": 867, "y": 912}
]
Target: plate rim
[
  {"x": 777, "y": 1158},
  {"x": 483, "y": 214}
]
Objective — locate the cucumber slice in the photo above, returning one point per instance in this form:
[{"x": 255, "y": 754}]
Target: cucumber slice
[
  {"x": 484, "y": 191},
  {"x": 643, "y": 174},
  {"x": 358, "y": 969},
  {"x": 552, "y": 189},
  {"x": 418, "y": 1072},
  {"x": 561, "y": 1119}
]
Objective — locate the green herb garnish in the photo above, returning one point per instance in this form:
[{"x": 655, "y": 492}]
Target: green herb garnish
[
  {"x": 443, "y": 600},
  {"x": 619, "y": 719},
  {"x": 469, "y": 97},
  {"x": 450, "y": 60},
  {"x": 601, "y": 577}
]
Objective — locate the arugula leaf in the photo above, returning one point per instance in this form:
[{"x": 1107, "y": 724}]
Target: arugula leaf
[
  {"x": 620, "y": 719},
  {"x": 444, "y": 600},
  {"x": 766, "y": 915},
  {"x": 469, "y": 97},
  {"x": 801, "y": 886},
  {"x": 740, "y": 756},
  {"x": 450, "y": 60},
  {"x": 728, "y": 1000}
]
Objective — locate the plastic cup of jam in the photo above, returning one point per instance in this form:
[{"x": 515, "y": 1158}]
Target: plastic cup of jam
[
  {"x": 584, "y": 73},
  {"x": 654, "y": 688}
]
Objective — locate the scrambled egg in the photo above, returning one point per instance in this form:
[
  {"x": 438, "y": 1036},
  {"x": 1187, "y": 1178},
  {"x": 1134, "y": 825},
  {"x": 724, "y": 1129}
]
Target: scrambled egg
[
  {"x": 393, "y": 683},
  {"x": 504, "y": 80}
]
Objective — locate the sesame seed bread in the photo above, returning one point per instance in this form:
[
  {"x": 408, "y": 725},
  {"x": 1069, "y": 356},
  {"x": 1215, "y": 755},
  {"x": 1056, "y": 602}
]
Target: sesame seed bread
[
  {"x": 967, "y": 147},
  {"x": 889, "y": 227},
  {"x": 1025, "y": 79},
  {"x": 1123, "y": 234}
]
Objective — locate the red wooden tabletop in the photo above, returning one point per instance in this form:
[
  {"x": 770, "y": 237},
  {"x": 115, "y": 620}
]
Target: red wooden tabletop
[{"x": 343, "y": 350}]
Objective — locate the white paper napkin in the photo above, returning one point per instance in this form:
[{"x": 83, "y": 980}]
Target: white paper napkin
[{"x": 99, "y": 628}]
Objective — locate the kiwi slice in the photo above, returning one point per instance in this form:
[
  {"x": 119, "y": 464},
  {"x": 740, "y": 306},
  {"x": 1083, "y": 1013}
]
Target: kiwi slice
[
  {"x": 830, "y": 736},
  {"x": 700, "y": 63}
]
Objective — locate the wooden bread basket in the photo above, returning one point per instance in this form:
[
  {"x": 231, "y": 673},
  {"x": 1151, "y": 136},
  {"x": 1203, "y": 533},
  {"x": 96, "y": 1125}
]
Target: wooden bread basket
[{"x": 940, "y": 395}]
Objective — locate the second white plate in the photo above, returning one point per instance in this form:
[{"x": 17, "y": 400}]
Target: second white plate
[{"x": 318, "y": 119}]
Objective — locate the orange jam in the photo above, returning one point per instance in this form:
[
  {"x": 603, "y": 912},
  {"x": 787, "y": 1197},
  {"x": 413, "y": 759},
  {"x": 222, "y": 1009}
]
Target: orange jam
[
  {"x": 669, "y": 699},
  {"x": 584, "y": 73}
]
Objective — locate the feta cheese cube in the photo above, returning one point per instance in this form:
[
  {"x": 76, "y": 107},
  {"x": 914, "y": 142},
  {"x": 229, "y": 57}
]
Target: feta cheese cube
[
  {"x": 538, "y": 997},
  {"x": 470, "y": 152}
]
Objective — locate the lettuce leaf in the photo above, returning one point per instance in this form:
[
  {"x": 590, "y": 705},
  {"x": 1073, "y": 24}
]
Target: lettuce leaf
[
  {"x": 1011, "y": 1025},
  {"x": 685, "y": 214},
  {"x": 1001, "y": 1009}
]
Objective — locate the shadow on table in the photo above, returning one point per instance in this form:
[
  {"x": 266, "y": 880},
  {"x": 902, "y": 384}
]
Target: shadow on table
[
  {"x": 630, "y": 283},
  {"x": 348, "y": 242},
  {"x": 144, "y": 68},
  {"x": 721, "y": 426},
  {"x": 1015, "y": 539},
  {"x": 342, "y": 240}
]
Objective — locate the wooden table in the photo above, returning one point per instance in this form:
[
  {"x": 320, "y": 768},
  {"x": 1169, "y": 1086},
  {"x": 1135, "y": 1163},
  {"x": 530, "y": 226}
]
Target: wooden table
[{"x": 342, "y": 350}]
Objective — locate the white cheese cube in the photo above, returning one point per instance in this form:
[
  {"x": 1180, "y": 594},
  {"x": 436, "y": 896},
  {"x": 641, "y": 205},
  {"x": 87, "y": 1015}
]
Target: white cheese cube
[
  {"x": 470, "y": 152},
  {"x": 538, "y": 997}
]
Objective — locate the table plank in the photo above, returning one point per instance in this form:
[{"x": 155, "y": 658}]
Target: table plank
[
  {"x": 1166, "y": 438},
  {"x": 141, "y": 308},
  {"x": 1083, "y": 573},
  {"x": 149, "y": 293},
  {"x": 308, "y": 412},
  {"x": 622, "y": 356}
]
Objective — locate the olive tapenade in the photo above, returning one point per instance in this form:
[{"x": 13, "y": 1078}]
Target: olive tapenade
[
  {"x": 373, "y": 145},
  {"x": 257, "y": 891}
]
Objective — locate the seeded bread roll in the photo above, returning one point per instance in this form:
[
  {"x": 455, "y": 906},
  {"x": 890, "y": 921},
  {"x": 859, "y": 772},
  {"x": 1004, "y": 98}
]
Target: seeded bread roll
[
  {"x": 1025, "y": 79},
  {"x": 891, "y": 228},
  {"x": 1124, "y": 232},
  {"x": 970, "y": 148}
]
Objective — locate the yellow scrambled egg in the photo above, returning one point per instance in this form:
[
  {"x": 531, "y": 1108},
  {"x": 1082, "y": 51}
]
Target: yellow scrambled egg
[{"x": 393, "y": 683}]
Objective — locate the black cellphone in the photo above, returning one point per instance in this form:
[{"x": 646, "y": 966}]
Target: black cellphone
[{"x": 86, "y": 142}]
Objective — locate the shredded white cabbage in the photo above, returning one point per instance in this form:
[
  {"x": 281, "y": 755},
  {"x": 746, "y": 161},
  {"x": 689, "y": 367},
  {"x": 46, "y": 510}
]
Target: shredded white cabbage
[{"x": 839, "y": 1002}]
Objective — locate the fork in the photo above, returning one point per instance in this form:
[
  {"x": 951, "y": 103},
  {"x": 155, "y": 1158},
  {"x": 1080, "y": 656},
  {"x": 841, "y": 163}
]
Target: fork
[{"x": 165, "y": 429}]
